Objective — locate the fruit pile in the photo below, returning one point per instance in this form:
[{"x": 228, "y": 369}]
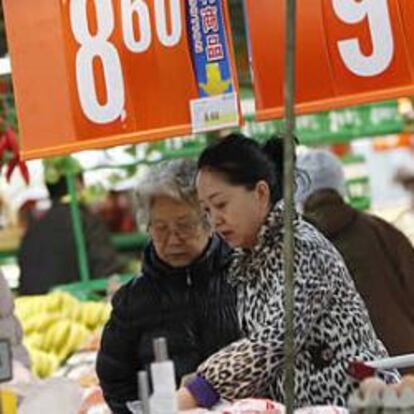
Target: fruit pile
[
  {"x": 56, "y": 325},
  {"x": 375, "y": 396}
]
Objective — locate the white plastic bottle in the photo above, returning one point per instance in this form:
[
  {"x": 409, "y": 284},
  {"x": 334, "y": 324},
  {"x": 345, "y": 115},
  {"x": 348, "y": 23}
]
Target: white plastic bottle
[
  {"x": 163, "y": 399},
  {"x": 143, "y": 393}
]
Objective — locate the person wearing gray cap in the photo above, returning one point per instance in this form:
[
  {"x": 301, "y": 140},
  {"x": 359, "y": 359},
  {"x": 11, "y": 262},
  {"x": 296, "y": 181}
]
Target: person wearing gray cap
[{"x": 379, "y": 257}]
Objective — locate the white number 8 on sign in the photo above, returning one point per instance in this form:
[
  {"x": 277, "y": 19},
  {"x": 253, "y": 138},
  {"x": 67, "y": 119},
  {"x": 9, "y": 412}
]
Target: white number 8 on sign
[
  {"x": 377, "y": 14},
  {"x": 97, "y": 46}
]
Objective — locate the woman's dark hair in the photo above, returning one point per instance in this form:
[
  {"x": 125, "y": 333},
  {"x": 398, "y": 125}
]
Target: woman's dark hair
[{"x": 243, "y": 161}]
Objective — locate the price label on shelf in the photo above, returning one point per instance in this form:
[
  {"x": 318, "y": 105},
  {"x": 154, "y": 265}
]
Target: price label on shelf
[
  {"x": 213, "y": 112},
  {"x": 98, "y": 73},
  {"x": 348, "y": 52}
]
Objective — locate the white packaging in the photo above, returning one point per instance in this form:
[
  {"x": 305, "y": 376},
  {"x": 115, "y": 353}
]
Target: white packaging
[
  {"x": 163, "y": 399},
  {"x": 254, "y": 406}
]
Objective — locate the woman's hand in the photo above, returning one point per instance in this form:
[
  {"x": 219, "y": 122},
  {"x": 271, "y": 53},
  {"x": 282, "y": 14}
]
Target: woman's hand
[{"x": 185, "y": 399}]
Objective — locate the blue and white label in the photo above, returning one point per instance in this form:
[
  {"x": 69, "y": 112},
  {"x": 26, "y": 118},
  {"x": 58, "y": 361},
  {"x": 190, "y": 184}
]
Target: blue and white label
[{"x": 212, "y": 66}]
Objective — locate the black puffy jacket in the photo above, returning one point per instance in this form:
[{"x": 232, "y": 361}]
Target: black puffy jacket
[{"x": 193, "y": 307}]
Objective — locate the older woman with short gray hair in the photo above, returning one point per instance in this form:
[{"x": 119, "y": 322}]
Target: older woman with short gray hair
[
  {"x": 173, "y": 179},
  {"x": 181, "y": 295}
]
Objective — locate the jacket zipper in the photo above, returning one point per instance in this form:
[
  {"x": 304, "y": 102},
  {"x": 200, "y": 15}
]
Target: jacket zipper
[{"x": 189, "y": 281}]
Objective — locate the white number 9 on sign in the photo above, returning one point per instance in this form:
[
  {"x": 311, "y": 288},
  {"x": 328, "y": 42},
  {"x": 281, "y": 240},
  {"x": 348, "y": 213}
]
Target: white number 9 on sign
[
  {"x": 376, "y": 13},
  {"x": 98, "y": 46}
]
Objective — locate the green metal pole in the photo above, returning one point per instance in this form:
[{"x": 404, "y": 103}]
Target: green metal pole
[
  {"x": 77, "y": 229},
  {"x": 289, "y": 188}
]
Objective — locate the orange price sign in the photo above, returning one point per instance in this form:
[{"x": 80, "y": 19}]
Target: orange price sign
[
  {"x": 97, "y": 73},
  {"x": 348, "y": 52}
]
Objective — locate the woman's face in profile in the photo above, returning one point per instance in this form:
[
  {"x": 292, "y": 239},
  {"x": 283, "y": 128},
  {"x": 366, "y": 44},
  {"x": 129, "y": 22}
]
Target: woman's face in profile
[{"x": 235, "y": 212}]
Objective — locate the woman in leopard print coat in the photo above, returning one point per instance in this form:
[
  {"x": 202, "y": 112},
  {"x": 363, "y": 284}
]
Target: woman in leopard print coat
[{"x": 331, "y": 322}]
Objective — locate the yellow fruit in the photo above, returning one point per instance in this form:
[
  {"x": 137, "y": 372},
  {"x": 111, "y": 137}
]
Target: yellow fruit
[
  {"x": 85, "y": 314},
  {"x": 46, "y": 320},
  {"x": 93, "y": 314},
  {"x": 71, "y": 343},
  {"x": 67, "y": 302},
  {"x": 75, "y": 312},
  {"x": 61, "y": 332},
  {"x": 35, "y": 340},
  {"x": 43, "y": 364},
  {"x": 29, "y": 325},
  {"x": 106, "y": 313},
  {"x": 82, "y": 334},
  {"x": 53, "y": 302},
  {"x": 49, "y": 338}
]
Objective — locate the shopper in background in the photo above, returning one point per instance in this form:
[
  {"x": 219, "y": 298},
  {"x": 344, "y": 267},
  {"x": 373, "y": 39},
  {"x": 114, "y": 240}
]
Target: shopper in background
[
  {"x": 379, "y": 257},
  {"x": 182, "y": 294},
  {"x": 48, "y": 255},
  {"x": 405, "y": 218},
  {"x": 240, "y": 185},
  {"x": 117, "y": 211},
  {"x": 10, "y": 327}
]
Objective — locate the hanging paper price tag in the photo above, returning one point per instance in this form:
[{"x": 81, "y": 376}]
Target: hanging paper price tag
[
  {"x": 348, "y": 52},
  {"x": 99, "y": 73}
]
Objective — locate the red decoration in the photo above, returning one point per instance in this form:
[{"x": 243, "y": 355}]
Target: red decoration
[{"x": 8, "y": 143}]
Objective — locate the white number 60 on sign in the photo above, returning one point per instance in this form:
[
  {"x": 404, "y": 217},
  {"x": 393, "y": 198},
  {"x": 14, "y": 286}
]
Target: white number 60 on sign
[{"x": 378, "y": 17}]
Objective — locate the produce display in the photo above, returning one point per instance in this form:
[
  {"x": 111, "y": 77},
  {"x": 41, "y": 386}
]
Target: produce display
[
  {"x": 264, "y": 406},
  {"x": 374, "y": 395},
  {"x": 56, "y": 325}
]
